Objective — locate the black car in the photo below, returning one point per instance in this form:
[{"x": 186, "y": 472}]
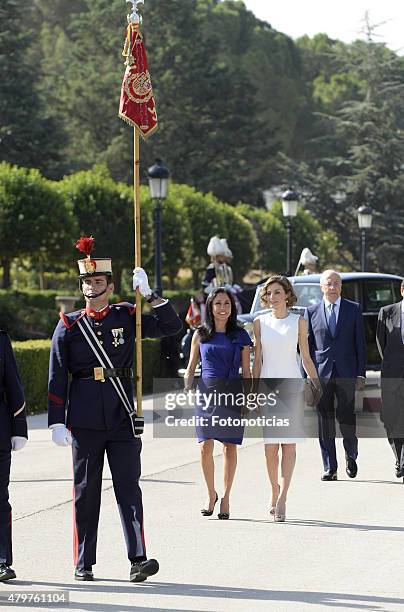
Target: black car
[{"x": 371, "y": 290}]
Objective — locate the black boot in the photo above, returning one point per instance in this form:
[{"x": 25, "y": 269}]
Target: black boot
[
  {"x": 140, "y": 570},
  {"x": 6, "y": 573},
  {"x": 83, "y": 573}
]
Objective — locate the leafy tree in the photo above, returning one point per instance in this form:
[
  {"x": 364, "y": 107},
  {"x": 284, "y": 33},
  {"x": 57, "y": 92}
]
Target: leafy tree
[
  {"x": 176, "y": 238},
  {"x": 308, "y": 232},
  {"x": 271, "y": 235},
  {"x": 217, "y": 116},
  {"x": 35, "y": 220},
  {"x": 360, "y": 156},
  {"x": 242, "y": 242},
  {"x": 28, "y": 136},
  {"x": 206, "y": 219},
  {"x": 104, "y": 210}
]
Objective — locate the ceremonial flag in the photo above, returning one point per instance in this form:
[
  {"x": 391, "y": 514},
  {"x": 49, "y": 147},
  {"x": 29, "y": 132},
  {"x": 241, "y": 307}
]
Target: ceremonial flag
[{"x": 136, "y": 105}]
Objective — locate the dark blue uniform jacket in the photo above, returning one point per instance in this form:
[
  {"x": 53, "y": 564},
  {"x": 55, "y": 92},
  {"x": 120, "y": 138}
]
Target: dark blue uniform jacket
[
  {"x": 90, "y": 403},
  {"x": 13, "y": 420}
]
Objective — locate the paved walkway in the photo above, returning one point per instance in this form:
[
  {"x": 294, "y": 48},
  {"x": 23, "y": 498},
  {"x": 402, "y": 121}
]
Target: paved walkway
[{"x": 340, "y": 549}]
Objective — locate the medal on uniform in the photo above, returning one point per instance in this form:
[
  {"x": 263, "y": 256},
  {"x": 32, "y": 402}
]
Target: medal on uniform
[{"x": 118, "y": 336}]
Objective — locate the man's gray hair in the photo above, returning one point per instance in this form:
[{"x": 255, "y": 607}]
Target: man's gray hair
[{"x": 327, "y": 273}]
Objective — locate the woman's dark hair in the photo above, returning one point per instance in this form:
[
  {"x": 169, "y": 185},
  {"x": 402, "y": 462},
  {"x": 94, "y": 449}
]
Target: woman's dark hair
[
  {"x": 291, "y": 297},
  {"x": 207, "y": 330}
]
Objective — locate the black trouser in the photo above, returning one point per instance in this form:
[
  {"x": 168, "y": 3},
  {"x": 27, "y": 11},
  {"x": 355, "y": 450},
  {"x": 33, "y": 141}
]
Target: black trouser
[
  {"x": 6, "y": 555},
  {"x": 123, "y": 452},
  {"x": 343, "y": 391},
  {"x": 397, "y": 445},
  {"x": 392, "y": 415}
]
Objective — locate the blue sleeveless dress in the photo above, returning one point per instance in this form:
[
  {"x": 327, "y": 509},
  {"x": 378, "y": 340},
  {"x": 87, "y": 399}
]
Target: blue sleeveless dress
[{"x": 220, "y": 361}]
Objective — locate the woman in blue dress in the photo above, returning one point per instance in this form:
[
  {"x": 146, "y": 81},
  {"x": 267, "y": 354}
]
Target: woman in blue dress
[{"x": 222, "y": 347}]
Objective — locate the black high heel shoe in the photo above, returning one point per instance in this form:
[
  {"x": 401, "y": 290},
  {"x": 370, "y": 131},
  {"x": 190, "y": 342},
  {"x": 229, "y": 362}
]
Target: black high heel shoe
[
  {"x": 205, "y": 512},
  {"x": 223, "y": 516}
]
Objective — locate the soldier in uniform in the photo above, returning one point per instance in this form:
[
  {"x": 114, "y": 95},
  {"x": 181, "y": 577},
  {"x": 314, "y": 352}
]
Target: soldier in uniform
[
  {"x": 97, "y": 421},
  {"x": 13, "y": 436},
  {"x": 218, "y": 273}
]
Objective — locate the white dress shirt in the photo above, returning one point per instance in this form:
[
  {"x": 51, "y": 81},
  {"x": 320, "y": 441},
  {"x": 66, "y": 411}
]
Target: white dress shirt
[{"x": 327, "y": 306}]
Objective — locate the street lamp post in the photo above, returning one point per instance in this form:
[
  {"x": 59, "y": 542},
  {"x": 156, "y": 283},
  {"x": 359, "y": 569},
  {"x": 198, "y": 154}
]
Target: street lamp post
[
  {"x": 290, "y": 201},
  {"x": 365, "y": 214},
  {"x": 158, "y": 176}
]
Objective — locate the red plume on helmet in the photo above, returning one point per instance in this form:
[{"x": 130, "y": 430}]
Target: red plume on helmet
[{"x": 85, "y": 244}]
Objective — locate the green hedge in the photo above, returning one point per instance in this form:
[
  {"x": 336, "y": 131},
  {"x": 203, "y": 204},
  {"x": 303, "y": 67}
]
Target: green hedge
[
  {"x": 33, "y": 361},
  {"x": 34, "y": 314},
  {"x": 28, "y": 314}
]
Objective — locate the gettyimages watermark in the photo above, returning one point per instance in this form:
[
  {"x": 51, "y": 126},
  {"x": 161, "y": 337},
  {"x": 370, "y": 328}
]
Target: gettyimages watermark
[{"x": 270, "y": 408}]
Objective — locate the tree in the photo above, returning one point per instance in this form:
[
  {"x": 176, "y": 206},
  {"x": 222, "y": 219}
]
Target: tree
[
  {"x": 103, "y": 209},
  {"x": 217, "y": 116},
  {"x": 176, "y": 238},
  {"x": 360, "y": 157},
  {"x": 308, "y": 232},
  {"x": 242, "y": 241},
  {"x": 35, "y": 220},
  {"x": 271, "y": 235},
  {"x": 206, "y": 219},
  {"x": 28, "y": 135}
]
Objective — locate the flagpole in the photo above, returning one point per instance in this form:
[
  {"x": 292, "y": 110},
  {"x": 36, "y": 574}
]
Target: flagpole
[
  {"x": 138, "y": 263},
  {"x": 137, "y": 107}
]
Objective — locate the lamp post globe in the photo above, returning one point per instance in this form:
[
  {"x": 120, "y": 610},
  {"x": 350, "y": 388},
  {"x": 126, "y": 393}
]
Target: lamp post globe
[
  {"x": 290, "y": 202},
  {"x": 365, "y": 217},
  {"x": 158, "y": 176}
]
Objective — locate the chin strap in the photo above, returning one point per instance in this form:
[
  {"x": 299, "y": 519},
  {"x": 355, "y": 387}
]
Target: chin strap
[{"x": 94, "y": 297}]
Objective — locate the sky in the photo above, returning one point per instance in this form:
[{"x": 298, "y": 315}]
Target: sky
[{"x": 342, "y": 19}]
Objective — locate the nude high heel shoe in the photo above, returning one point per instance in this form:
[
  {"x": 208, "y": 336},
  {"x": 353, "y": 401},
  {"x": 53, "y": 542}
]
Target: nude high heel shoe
[{"x": 280, "y": 513}]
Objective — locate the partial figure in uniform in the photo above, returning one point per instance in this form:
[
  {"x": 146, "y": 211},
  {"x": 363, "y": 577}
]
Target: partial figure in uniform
[
  {"x": 308, "y": 261},
  {"x": 390, "y": 342},
  {"x": 219, "y": 272},
  {"x": 96, "y": 347},
  {"x": 13, "y": 437}
]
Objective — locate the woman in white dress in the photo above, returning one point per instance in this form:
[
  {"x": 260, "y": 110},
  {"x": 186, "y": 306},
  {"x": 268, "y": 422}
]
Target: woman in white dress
[{"x": 277, "y": 336}]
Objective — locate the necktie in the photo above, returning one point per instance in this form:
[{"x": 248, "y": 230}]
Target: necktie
[{"x": 332, "y": 323}]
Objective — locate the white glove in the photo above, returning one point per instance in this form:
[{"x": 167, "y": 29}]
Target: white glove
[
  {"x": 18, "y": 442},
  {"x": 61, "y": 435},
  {"x": 140, "y": 280}
]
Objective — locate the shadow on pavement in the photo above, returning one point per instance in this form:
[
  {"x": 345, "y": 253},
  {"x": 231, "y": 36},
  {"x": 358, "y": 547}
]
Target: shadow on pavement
[
  {"x": 343, "y": 600},
  {"x": 319, "y": 523}
]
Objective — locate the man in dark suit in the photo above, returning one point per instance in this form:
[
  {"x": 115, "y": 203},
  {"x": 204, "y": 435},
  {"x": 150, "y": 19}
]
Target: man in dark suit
[
  {"x": 337, "y": 347},
  {"x": 390, "y": 342}
]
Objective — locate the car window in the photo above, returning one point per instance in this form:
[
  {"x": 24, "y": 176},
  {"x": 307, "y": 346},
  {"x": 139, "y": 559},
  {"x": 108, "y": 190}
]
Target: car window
[
  {"x": 397, "y": 291},
  {"x": 350, "y": 291},
  {"x": 377, "y": 293},
  {"x": 307, "y": 294}
]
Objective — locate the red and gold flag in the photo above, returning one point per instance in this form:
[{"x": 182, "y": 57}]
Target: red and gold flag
[{"x": 136, "y": 105}]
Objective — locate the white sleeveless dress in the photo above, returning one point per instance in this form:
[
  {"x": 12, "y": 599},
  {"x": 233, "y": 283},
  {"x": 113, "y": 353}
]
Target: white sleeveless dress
[{"x": 279, "y": 339}]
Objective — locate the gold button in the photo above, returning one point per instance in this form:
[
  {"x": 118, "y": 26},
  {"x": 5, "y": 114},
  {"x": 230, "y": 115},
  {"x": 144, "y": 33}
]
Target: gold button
[{"x": 99, "y": 333}]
